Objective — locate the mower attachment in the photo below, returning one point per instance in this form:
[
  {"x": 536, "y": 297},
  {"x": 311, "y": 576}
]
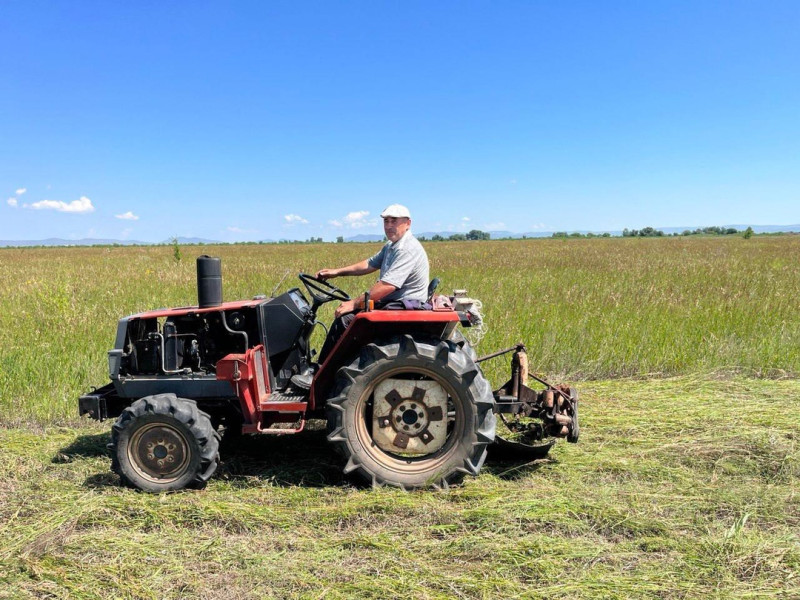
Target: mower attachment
[{"x": 535, "y": 415}]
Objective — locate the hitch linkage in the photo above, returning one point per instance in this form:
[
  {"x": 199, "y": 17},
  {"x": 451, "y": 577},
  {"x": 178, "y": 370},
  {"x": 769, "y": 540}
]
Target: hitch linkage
[{"x": 556, "y": 406}]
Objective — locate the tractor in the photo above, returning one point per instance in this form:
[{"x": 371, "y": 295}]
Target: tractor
[{"x": 403, "y": 393}]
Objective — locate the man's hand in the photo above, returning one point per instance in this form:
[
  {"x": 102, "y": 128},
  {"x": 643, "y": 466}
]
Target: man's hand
[
  {"x": 345, "y": 308},
  {"x": 359, "y": 268},
  {"x": 325, "y": 274}
]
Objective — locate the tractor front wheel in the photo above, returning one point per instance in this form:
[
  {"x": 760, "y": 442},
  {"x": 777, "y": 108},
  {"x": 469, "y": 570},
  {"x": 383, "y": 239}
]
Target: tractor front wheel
[
  {"x": 164, "y": 443},
  {"x": 412, "y": 413}
]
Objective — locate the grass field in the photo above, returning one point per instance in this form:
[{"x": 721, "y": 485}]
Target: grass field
[
  {"x": 588, "y": 309},
  {"x": 684, "y": 484}
]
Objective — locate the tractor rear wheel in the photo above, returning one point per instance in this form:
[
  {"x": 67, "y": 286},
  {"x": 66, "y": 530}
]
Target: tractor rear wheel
[
  {"x": 164, "y": 443},
  {"x": 458, "y": 337},
  {"x": 412, "y": 413}
]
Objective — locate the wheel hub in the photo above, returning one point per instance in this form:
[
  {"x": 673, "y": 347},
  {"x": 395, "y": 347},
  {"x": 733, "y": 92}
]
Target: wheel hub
[
  {"x": 409, "y": 416},
  {"x": 159, "y": 452}
]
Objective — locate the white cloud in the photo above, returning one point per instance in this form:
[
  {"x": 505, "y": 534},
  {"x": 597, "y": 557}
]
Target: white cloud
[
  {"x": 498, "y": 225},
  {"x": 355, "y": 220},
  {"x": 539, "y": 226},
  {"x": 12, "y": 201},
  {"x": 21, "y": 191},
  {"x": 358, "y": 219},
  {"x": 465, "y": 218},
  {"x": 128, "y": 216},
  {"x": 292, "y": 219},
  {"x": 356, "y": 216},
  {"x": 83, "y": 205}
]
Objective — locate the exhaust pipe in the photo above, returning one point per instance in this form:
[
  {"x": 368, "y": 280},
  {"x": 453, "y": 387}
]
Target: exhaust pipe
[{"x": 209, "y": 281}]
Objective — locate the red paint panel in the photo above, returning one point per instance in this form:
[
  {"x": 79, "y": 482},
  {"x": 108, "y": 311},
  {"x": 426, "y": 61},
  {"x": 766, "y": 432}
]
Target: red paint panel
[
  {"x": 372, "y": 325},
  {"x": 185, "y": 310},
  {"x": 248, "y": 374}
]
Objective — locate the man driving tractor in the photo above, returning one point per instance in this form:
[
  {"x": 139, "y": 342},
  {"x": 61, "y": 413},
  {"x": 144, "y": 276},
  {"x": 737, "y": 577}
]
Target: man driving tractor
[
  {"x": 404, "y": 275},
  {"x": 402, "y": 391}
]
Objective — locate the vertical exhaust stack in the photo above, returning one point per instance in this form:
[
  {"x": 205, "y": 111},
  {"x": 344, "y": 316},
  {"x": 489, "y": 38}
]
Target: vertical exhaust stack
[{"x": 209, "y": 281}]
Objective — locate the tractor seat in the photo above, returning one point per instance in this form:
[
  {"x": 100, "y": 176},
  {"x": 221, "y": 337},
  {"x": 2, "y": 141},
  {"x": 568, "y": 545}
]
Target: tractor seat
[
  {"x": 432, "y": 288},
  {"x": 411, "y": 304}
]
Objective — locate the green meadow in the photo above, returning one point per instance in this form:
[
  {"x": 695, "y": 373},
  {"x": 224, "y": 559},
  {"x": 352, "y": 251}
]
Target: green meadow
[{"x": 686, "y": 352}]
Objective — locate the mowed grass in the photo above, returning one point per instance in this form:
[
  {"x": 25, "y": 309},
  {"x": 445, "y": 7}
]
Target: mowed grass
[
  {"x": 684, "y": 483},
  {"x": 680, "y": 488},
  {"x": 588, "y": 309}
]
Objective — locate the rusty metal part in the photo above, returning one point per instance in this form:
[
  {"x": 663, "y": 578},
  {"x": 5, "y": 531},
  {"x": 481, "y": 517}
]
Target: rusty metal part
[
  {"x": 527, "y": 442},
  {"x": 504, "y": 448},
  {"x": 519, "y": 370},
  {"x": 159, "y": 452},
  {"x": 555, "y": 408},
  {"x": 409, "y": 416},
  {"x": 575, "y": 430},
  {"x": 563, "y": 419},
  {"x": 523, "y": 366},
  {"x": 500, "y": 353}
]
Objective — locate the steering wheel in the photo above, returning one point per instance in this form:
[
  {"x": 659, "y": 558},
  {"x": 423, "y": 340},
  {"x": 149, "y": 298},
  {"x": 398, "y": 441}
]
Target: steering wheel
[{"x": 321, "y": 290}]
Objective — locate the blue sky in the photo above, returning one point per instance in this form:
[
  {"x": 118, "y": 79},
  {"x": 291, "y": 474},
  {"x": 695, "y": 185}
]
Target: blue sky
[{"x": 267, "y": 120}]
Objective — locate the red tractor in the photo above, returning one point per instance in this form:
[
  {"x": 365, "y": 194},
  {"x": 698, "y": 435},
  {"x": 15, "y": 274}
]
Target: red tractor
[{"x": 405, "y": 399}]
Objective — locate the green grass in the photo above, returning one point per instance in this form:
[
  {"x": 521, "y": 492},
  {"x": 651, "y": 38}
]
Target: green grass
[
  {"x": 588, "y": 309},
  {"x": 684, "y": 483},
  {"x": 681, "y": 487}
]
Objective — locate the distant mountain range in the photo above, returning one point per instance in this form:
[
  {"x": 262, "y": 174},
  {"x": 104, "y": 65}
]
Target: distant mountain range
[
  {"x": 376, "y": 237},
  {"x": 102, "y": 242}
]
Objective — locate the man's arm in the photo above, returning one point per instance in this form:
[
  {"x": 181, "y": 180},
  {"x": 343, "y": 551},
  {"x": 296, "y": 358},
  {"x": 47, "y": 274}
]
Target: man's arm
[
  {"x": 359, "y": 268},
  {"x": 377, "y": 292}
]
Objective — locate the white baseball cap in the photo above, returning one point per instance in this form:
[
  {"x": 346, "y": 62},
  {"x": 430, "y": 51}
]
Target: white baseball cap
[{"x": 395, "y": 210}]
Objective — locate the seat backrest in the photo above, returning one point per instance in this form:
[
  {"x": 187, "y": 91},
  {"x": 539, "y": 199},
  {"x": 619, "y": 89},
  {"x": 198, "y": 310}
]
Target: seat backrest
[{"x": 432, "y": 287}]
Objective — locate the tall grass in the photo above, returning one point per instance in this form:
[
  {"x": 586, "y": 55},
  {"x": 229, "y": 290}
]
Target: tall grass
[{"x": 587, "y": 309}]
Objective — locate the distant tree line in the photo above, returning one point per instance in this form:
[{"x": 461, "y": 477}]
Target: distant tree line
[
  {"x": 651, "y": 232},
  {"x": 576, "y": 234},
  {"x": 477, "y": 234},
  {"x": 646, "y": 232},
  {"x": 474, "y": 234},
  {"x": 714, "y": 231}
]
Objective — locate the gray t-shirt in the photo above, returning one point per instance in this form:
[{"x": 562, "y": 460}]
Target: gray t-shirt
[{"x": 403, "y": 264}]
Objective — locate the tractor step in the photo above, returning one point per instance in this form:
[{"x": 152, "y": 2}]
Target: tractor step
[
  {"x": 273, "y": 430},
  {"x": 285, "y": 403}
]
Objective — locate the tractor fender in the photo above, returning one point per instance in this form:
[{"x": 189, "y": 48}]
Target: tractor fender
[{"x": 375, "y": 325}]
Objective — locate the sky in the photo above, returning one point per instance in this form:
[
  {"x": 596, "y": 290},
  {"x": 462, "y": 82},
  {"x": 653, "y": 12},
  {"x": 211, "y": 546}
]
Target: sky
[{"x": 243, "y": 121}]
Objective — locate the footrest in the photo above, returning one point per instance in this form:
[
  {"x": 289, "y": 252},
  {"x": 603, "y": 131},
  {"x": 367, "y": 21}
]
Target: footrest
[{"x": 285, "y": 403}]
